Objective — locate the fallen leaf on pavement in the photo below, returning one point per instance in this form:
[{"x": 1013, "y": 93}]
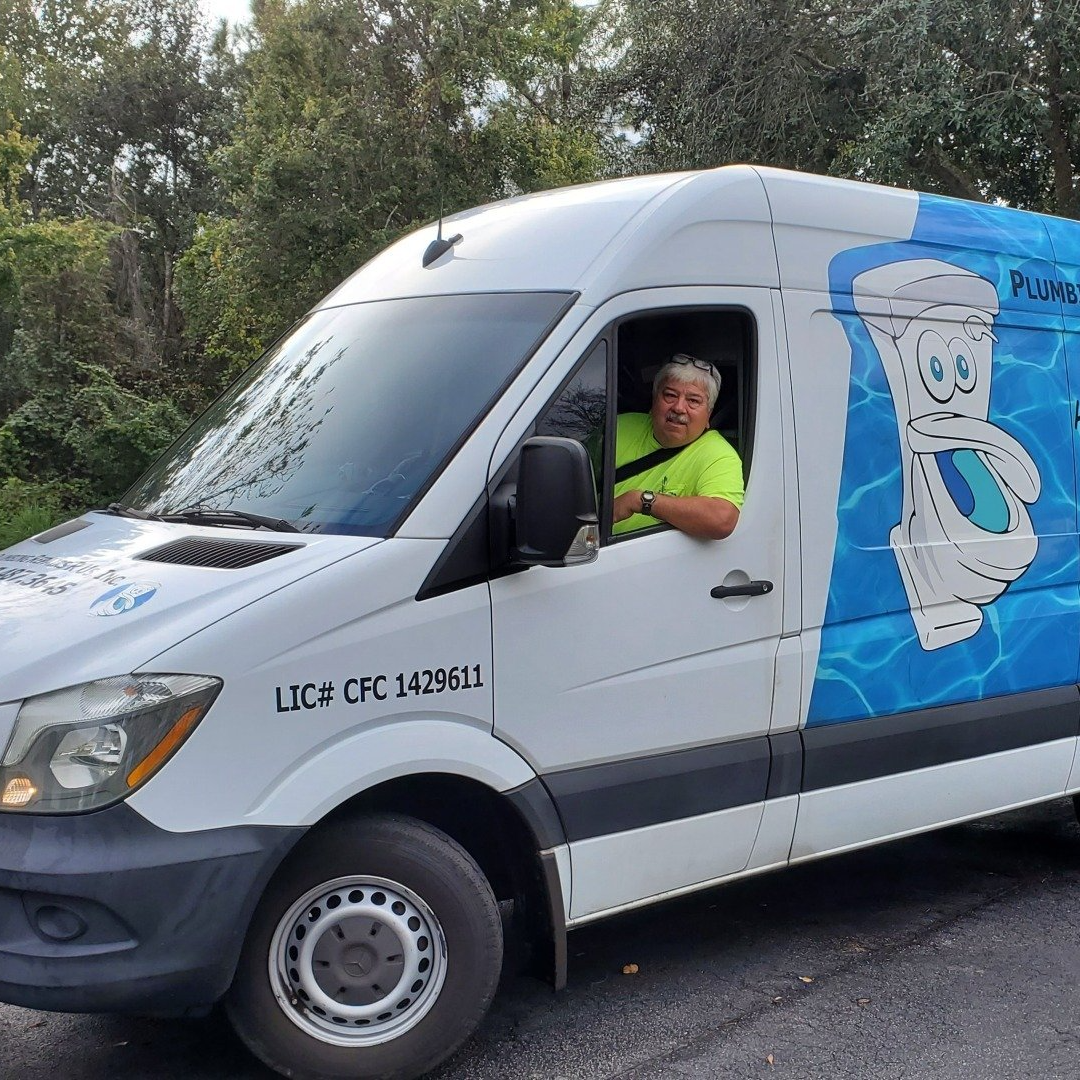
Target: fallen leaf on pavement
[
  {"x": 769, "y": 1060},
  {"x": 806, "y": 978},
  {"x": 630, "y": 969}
]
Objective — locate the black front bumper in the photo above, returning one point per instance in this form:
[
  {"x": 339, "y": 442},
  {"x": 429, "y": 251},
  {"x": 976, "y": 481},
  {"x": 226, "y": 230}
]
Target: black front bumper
[{"x": 105, "y": 912}]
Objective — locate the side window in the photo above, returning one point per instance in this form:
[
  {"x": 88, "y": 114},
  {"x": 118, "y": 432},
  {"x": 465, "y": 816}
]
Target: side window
[
  {"x": 580, "y": 410},
  {"x": 640, "y": 346},
  {"x": 644, "y": 343}
]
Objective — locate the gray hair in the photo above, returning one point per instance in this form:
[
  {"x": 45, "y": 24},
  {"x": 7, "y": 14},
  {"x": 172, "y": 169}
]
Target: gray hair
[{"x": 684, "y": 368}]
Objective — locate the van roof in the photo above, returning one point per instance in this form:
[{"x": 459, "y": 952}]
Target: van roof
[
  {"x": 641, "y": 231},
  {"x": 721, "y": 226}
]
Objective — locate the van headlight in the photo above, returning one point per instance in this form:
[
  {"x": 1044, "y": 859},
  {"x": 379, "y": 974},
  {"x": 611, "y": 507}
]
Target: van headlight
[{"x": 91, "y": 745}]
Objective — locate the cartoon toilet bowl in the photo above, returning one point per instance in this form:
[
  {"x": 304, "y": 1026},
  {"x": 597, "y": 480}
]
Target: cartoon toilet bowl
[{"x": 964, "y": 532}]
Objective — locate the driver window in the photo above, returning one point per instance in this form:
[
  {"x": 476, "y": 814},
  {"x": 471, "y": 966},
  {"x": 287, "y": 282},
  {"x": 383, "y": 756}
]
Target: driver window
[
  {"x": 720, "y": 337},
  {"x": 719, "y": 342}
]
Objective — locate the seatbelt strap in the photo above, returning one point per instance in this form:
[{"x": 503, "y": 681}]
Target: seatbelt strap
[{"x": 644, "y": 464}]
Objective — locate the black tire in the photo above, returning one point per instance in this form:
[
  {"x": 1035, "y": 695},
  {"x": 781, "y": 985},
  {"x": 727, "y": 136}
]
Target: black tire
[{"x": 404, "y": 951}]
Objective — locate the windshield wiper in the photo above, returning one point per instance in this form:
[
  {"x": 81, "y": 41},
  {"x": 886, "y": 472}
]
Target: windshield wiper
[
  {"x": 129, "y": 511},
  {"x": 209, "y": 516}
]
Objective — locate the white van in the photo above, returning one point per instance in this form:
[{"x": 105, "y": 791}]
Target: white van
[{"x": 357, "y": 675}]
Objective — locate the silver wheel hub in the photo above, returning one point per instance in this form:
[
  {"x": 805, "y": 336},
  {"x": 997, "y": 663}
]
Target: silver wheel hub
[{"x": 357, "y": 961}]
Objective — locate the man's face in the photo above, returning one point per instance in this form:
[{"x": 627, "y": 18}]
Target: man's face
[{"x": 680, "y": 412}]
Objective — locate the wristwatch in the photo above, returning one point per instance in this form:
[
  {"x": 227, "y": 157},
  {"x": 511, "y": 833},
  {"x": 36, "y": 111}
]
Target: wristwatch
[{"x": 647, "y": 499}]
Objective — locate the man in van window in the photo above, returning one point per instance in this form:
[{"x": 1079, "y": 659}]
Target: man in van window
[{"x": 670, "y": 466}]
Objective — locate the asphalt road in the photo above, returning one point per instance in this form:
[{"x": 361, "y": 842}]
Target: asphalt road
[{"x": 949, "y": 955}]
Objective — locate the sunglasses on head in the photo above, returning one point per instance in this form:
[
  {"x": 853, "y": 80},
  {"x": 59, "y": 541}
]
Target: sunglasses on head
[{"x": 701, "y": 365}]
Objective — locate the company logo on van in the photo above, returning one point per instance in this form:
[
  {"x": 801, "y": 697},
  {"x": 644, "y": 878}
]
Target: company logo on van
[{"x": 124, "y": 598}]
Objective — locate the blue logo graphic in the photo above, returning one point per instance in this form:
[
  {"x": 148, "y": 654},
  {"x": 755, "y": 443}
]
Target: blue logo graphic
[
  {"x": 124, "y": 598},
  {"x": 956, "y": 568}
]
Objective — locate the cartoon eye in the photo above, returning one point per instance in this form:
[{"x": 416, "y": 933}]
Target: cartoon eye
[
  {"x": 936, "y": 366},
  {"x": 966, "y": 369}
]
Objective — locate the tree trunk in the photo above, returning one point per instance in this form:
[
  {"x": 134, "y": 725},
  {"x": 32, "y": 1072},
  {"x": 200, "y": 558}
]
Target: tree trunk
[{"x": 1057, "y": 137}]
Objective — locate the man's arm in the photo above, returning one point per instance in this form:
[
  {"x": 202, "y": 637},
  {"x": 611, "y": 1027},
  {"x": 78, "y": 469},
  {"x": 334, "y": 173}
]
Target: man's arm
[{"x": 705, "y": 516}]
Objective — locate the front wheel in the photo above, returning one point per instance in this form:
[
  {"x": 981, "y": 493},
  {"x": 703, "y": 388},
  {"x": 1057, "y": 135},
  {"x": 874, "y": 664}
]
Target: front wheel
[{"x": 374, "y": 954}]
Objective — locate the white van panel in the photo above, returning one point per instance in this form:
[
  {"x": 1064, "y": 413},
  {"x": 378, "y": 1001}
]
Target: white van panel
[
  {"x": 1073, "y": 785},
  {"x": 772, "y": 848},
  {"x": 788, "y": 686},
  {"x": 677, "y": 668},
  {"x": 518, "y": 243},
  {"x": 562, "y": 863},
  {"x": 8, "y": 713},
  {"x": 610, "y": 871},
  {"x": 714, "y": 230},
  {"x": 793, "y": 555},
  {"x": 813, "y": 222},
  {"x": 403, "y": 747},
  {"x": 837, "y": 819},
  {"x": 639, "y": 232},
  {"x": 821, "y": 452},
  {"x": 334, "y": 629},
  {"x": 815, "y": 218}
]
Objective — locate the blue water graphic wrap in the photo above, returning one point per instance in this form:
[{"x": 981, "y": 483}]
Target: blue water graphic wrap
[{"x": 880, "y": 652}]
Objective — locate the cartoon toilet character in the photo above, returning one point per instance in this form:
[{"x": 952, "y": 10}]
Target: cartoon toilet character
[{"x": 964, "y": 532}]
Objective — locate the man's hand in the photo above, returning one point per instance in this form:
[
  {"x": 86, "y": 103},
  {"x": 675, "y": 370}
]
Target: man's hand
[{"x": 627, "y": 504}]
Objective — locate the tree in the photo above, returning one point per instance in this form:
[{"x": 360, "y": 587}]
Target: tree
[
  {"x": 974, "y": 98},
  {"x": 364, "y": 119},
  {"x": 125, "y": 103},
  {"x": 70, "y": 433},
  {"x": 706, "y": 82}
]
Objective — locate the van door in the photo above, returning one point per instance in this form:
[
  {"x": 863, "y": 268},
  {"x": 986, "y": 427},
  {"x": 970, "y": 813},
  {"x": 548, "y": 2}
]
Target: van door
[{"x": 641, "y": 697}]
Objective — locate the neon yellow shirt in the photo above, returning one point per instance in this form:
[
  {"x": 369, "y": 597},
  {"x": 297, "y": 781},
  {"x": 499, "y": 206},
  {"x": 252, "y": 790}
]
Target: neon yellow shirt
[{"x": 710, "y": 466}]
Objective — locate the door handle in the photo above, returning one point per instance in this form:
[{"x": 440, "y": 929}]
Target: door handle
[{"x": 751, "y": 588}]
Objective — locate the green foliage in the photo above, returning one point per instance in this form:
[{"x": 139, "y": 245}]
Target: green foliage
[
  {"x": 16, "y": 152},
  {"x": 86, "y": 428},
  {"x": 363, "y": 120},
  {"x": 60, "y": 274},
  {"x": 74, "y": 407},
  {"x": 27, "y": 509},
  {"x": 975, "y": 98}
]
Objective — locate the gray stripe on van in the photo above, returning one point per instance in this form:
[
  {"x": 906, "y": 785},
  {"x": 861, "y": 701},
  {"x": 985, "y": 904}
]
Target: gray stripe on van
[
  {"x": 846, "y": 753},
  {"x": 599, "y": 799},
  {"x": 596, "y": 800}
]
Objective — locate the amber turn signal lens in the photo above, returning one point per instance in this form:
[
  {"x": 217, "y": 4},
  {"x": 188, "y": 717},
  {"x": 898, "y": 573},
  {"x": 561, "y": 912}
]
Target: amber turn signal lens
[{"x": 173, "y": 738}]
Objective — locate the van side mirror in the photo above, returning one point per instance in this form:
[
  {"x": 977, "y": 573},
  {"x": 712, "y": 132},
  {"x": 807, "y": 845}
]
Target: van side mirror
[{"x": 555, "y": 518}]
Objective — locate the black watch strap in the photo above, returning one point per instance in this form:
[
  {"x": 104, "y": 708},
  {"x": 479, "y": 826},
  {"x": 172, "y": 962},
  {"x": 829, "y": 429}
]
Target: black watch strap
[{"x": 647, "y": 500}]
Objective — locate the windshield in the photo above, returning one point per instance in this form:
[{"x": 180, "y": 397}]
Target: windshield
[{"x": 345, "y": 420}]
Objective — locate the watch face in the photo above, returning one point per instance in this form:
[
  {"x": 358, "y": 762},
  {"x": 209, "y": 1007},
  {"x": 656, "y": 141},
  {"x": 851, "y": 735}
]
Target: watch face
[{"x": 647, "y": 499}]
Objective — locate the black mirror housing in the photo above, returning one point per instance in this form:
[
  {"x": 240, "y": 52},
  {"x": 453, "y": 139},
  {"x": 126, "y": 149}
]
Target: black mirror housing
[{"x": 556, "y": 521}]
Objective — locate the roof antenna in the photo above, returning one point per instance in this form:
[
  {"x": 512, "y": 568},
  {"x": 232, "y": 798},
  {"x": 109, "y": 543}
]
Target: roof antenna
[{"x": 440, "y": 246}]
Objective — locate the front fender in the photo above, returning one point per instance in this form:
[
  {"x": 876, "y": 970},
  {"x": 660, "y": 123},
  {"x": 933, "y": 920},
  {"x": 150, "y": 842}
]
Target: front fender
[{"x": 336, "y": 770}]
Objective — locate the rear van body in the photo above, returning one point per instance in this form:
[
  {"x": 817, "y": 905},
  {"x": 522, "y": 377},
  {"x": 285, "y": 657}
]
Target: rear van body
[{"x": 360, "y": 660}]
